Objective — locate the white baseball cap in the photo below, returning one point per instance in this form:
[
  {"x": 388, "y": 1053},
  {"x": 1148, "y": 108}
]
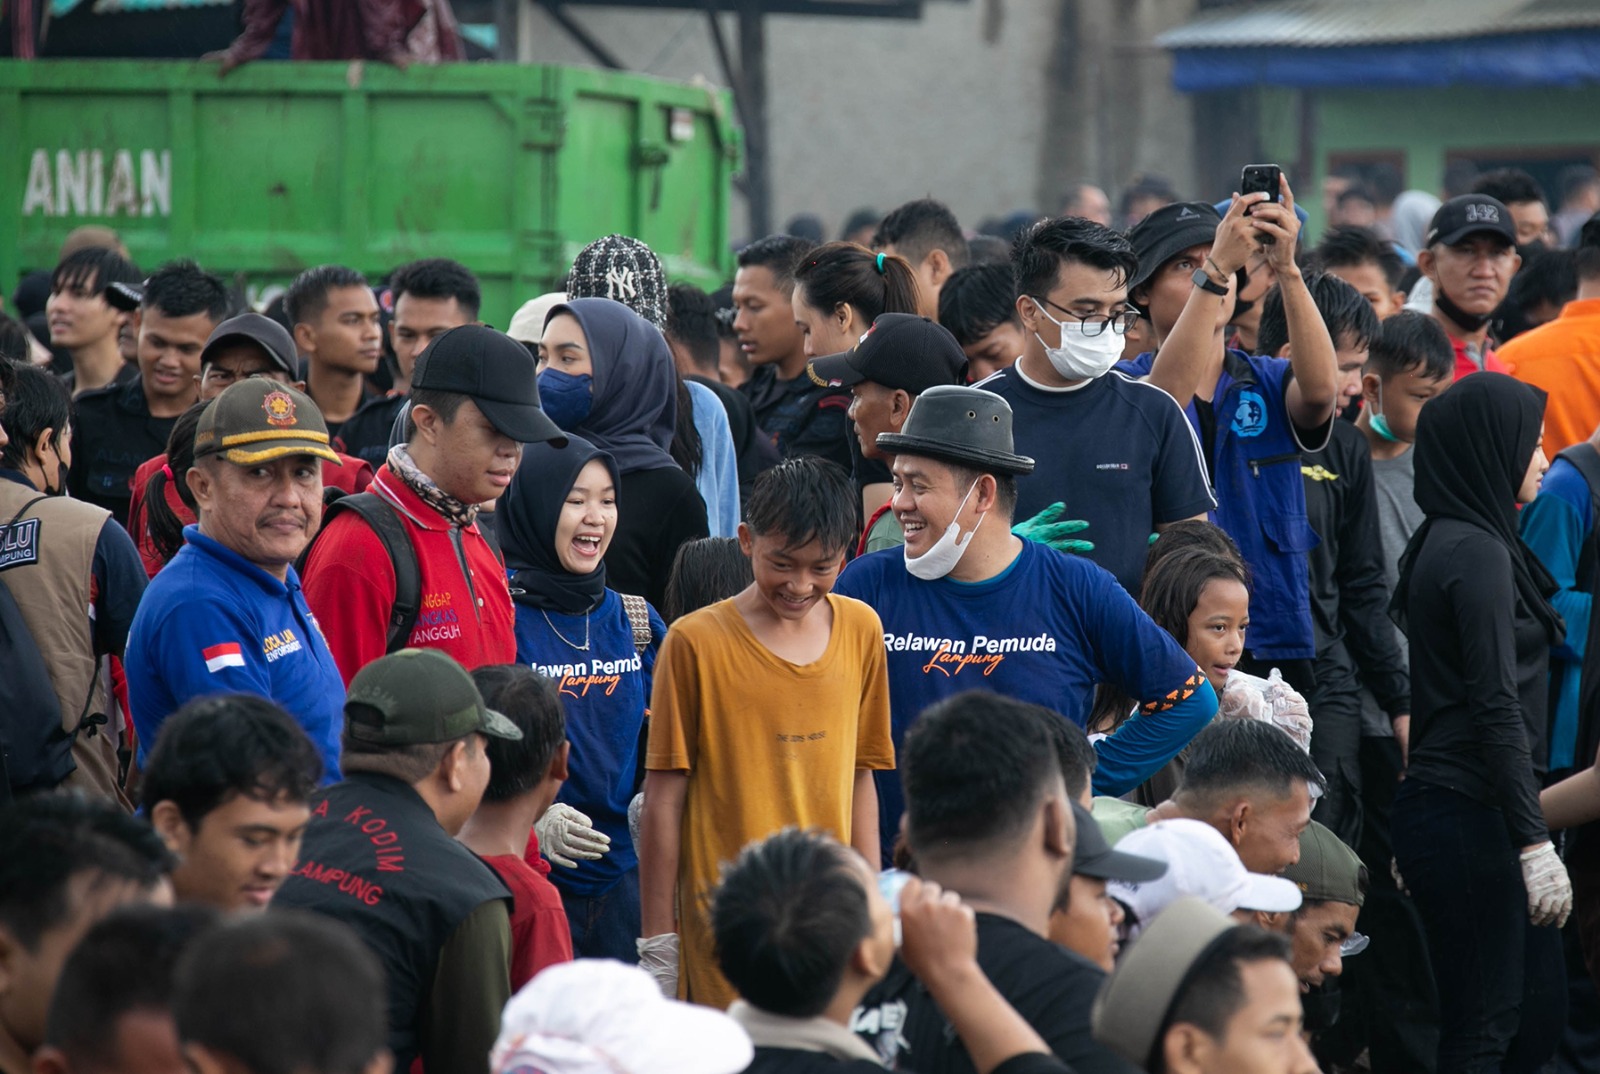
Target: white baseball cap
[
  {"x": 527, "y": 324},
  {"x": 1200, "y": 864},
  {"x": 597, "y": 1016}
]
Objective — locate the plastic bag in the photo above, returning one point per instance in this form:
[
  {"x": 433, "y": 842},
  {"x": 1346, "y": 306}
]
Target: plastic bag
[{"x": 1246, "y": 697}]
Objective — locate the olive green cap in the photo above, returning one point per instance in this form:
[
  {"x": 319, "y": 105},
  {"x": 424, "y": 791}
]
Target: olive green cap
[
  {"x": 258, "y": 420},
  {"x": 1328, "y": 870},
  {"x": 416, "y": 696}
]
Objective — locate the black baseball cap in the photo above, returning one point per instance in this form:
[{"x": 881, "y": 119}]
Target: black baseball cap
[
  {"x": 1168, "y": 232},
  {"x": 900, "y": 350},
  {"x": 1470, "y": 214},
  {"x": 264, "y": 332},
  {"x": 497, "y": 373},
  {"x": 1094, "y": 857},
  {"x": 126, "y": 297}
]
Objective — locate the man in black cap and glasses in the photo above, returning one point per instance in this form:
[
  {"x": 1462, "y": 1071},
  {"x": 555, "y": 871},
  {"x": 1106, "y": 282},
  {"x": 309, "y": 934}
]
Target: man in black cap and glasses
[
  {"x": 966, "y": 604},
  {"x": 407, "y": 563}
]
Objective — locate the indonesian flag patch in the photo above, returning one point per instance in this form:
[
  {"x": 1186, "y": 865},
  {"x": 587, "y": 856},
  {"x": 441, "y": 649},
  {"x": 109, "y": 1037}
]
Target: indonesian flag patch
[{"x": 226, "y": 655}]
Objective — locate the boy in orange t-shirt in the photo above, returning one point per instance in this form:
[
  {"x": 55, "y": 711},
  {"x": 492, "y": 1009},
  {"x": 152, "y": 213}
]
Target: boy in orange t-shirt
[{"x": 770, "y": 710}]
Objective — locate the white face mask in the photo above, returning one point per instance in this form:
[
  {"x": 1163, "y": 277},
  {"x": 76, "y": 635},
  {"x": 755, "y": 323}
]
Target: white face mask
[
  {"x": 1080, "y": 356},
  {"x": 947, "y": 551}
]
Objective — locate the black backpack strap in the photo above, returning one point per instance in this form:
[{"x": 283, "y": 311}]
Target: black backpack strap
[
  {"x": 1586, "y": 458},
  {"x": 384, "y": 521},
  {"x": 638, "y": 610}
]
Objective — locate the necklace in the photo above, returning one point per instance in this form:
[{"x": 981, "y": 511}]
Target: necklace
[{"x": 570, "y": 643}]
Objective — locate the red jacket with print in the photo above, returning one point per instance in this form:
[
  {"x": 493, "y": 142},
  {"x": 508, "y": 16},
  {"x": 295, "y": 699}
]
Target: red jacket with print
[{"x": 466, "y": 605}]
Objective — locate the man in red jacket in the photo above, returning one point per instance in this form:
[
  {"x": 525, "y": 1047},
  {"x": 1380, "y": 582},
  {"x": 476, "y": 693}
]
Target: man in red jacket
[{"x": 474, "y": 403}]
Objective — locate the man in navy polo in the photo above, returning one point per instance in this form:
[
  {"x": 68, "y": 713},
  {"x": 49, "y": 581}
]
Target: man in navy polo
[{"x": 227, "y": 615}]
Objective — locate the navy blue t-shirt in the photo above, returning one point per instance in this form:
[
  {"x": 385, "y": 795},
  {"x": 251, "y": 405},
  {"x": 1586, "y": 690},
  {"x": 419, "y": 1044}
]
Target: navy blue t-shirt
[
  {"x": 1116, "y": 451},
  {"x": 604, "y": 692},
  {"x": 1047, "y": 629}
]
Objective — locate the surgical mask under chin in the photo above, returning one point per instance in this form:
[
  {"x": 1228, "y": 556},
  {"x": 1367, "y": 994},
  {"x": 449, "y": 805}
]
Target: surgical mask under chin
[
  {"x": 564, "y": 398},
  {"x": 1081, "y": 356},
  {"x": 1379, "y": 423},
  {"x": 947, "y": 551}
]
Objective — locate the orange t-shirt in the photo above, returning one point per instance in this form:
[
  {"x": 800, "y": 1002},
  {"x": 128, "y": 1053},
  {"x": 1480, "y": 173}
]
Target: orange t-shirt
[
  {"x": 1563, "y": 358},
  {"x": 767, "y": 745}
]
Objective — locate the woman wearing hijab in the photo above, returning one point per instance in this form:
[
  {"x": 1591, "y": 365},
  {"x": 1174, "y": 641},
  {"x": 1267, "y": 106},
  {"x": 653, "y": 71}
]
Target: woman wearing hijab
[
  {"x": 606, "y": 374},
  {"x": 1469, "y": 838},
  {"x": 555, "y": 523}
]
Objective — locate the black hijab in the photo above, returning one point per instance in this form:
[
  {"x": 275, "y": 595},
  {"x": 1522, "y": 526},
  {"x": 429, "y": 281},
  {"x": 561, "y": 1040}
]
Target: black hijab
[
  {"x": 1474, "y": 444},
  {"x": 526, "y": 519}
]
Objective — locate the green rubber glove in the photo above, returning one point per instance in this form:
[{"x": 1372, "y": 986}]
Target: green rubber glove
[{"x": 1049, "y": 528}]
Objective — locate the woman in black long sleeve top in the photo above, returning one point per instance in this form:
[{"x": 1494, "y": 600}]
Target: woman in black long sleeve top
[{"x": 1469, "y": 838}]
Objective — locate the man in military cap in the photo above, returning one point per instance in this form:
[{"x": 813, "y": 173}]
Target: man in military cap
[{"x": 227, "y": 614}]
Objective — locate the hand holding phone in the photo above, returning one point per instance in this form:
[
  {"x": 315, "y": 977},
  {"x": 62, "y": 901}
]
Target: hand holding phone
[{"x": 1262, "y": 179}]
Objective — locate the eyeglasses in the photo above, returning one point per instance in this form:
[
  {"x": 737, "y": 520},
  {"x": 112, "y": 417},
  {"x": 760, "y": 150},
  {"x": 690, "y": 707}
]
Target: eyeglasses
[{"x": 1094, "y": 324}]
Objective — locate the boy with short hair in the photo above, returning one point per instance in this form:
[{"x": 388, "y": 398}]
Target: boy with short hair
[
  {"x": 804, "y": 931},
  {"x": 226, "y": 786},
  {"x": 978, "y": 304},
  {"x": 338, "y": 328},
  {"x": 83, "y": 323},
  {"x": 1359, "y": 257},
  {"x": 769, "y": 709},
  {"x": 524, "y": 776}
]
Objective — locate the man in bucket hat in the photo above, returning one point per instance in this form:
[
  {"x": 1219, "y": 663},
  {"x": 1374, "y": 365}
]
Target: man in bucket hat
[
  {"x": 966, "y": 604},
  {"x": 227, "y": 614}
]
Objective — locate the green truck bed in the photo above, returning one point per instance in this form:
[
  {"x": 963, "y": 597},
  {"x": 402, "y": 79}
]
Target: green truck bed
[{"x": 510, "y": 169}]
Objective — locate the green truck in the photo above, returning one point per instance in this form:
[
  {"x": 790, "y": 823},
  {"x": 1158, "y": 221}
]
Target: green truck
[{"x": 510, "y": 169}]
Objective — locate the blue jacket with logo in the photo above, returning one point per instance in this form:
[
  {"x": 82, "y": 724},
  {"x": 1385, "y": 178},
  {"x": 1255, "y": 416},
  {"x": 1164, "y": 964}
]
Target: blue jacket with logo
[
  {"x": 212, "y": 622},
  {"x": 1261, "y": 496}
]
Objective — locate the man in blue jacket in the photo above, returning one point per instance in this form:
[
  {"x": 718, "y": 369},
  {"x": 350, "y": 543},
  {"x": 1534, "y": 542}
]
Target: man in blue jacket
[
  {"x": 226, "y": 615},
  {"x": 1254, "y": 415}
]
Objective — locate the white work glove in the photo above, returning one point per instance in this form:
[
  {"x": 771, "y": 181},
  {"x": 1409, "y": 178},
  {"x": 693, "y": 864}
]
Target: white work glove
[
  {"x": 1549, "y": 890},
  {"x": 658, "y": 956},
  {"x": 635, "y": 817},
  {"x": 565, "y": 834}
]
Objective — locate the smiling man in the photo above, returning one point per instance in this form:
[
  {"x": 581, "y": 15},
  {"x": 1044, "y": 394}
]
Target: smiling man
[
  {"x": 123, "y": 424},
  {"x": 968, "y": 605},
  {"x": 406, "y": 564},
  {"x": 227, "y": 614},
  {"x": 226, "y": 788}
]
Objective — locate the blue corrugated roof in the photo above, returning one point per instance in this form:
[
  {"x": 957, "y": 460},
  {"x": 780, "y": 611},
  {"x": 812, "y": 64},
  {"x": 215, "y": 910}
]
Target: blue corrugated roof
[{"x": 1342, "y": 23}]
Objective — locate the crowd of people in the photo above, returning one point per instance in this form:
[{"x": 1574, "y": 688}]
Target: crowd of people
[{"x": 1156, "y": 648}]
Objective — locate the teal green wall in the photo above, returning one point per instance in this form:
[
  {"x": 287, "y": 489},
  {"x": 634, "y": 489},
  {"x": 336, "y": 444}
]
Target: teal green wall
[{"x": 1423, "y": 125}]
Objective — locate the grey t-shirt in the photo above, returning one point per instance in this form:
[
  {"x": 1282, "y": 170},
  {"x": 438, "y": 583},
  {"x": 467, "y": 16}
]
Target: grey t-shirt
[{"x": 1394, "y": 481}]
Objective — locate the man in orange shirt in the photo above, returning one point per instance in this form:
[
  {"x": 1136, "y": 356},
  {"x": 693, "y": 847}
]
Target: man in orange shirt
[{"x": 1563, "y": 355}]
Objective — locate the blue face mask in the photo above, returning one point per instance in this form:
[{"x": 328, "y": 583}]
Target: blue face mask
[
  {"x": 1380, "y": 424},
  {"x": 566, "y": 399}
]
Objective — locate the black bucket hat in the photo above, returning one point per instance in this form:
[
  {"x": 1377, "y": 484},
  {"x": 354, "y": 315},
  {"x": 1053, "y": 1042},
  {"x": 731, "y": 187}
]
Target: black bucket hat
[{"x": 961, "y": 425}]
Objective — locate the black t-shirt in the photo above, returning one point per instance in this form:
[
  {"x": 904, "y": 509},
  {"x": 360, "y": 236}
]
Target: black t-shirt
[
  {"x": 112, "y": 434},
  {"x": 366, "y": 434},
  {"x": 798, "y": 1061},
  {"x": 1051, "y": 987},
  {"x": 657, "y": 512},
  {"x": 802, "y": 417},
  {"x": 1117, "y": 451}
]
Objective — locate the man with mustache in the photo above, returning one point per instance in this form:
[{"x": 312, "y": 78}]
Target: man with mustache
[{"x": 227, "y": 614}]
